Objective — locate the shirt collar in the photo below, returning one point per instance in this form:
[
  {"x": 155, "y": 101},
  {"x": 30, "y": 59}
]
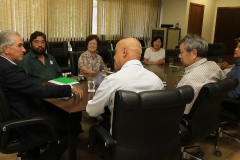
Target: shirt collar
[
  {"x": 9, "y": 60},
  {"x": 238, "y": 63},
  {"x": 194, "y": 65},
  {"x": 131, "y": 62}
]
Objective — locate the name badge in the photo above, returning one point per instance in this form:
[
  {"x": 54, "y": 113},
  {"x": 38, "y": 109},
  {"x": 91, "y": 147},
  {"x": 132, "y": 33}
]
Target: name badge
[{"x": 51, "y": 62}]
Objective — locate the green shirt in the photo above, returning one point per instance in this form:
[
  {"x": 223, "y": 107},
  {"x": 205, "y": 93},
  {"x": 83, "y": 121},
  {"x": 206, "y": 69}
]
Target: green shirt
[{"x": 37, "y": 70}]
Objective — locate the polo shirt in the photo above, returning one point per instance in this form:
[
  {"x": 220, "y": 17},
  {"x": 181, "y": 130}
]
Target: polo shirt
[{"x": 37, "y": 70}]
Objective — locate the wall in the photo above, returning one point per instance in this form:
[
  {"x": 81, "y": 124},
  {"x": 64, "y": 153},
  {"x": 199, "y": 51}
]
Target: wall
[{"x": 178, "y": 11}]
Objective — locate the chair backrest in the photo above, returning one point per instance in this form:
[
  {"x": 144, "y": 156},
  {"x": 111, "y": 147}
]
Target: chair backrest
[
  {"x": 205, "y": 113},
  {"x": 216, "y": 49},
  {"x": 59, "y": 50},
  {"x": 114, "y": 43},
  {"x": 26, "y": 45},
  {"x": 78, "y": 45},
  {"x": 74, "y": 56},
  {"x": 171, "y": 53},
  {"x": 104, "y": 45},
  {"x": 5, "y": 115},
  {"x": 110, "y": 60},
  {"x": 146, "y": 124},
  {"x": 143, "y": 52},
  {"x": 142, "y": 42}
]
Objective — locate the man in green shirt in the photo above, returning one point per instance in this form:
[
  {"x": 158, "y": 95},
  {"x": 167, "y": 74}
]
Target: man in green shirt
[{"x": 38, "y": 65}]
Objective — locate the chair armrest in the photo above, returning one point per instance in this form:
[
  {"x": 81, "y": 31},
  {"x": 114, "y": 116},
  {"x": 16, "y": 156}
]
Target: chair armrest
[
  {"x": 185, "y": 121},
  {"x": 182, "y": 130},
  {"x": 29, "y": 121},
  {"x": 237, "y": 102},
  {"x": 98, "y": 131}
]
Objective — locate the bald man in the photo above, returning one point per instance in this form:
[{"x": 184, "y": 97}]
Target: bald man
[{"x": 132, "y": 76}]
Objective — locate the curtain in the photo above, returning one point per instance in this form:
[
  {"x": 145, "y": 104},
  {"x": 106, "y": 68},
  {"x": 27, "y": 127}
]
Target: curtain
[
  {"x": 60, "y": 20},
  {"x": 127, "y": 18}
]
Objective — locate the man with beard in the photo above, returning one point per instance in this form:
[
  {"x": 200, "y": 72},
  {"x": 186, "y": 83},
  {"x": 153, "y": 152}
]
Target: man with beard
[{"x": 38, "y": 65}]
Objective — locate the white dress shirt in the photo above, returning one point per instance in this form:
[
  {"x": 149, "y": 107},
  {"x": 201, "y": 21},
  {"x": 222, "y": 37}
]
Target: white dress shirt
[
  {"x": 132, "y": 76},
  {"x": 154, "y": 56},
  {"x": 198, "y": 74}
]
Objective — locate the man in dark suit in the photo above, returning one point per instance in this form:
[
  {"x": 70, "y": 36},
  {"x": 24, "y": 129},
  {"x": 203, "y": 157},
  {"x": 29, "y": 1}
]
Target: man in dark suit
[{"x": 24, "y": 96}]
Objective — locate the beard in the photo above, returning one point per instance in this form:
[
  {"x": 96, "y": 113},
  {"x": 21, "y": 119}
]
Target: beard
[{"x": 39, "y": 51}]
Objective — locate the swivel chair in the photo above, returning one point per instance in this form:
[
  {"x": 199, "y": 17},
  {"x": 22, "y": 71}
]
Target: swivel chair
[
  {"x": 145, "y": 125},
  {"x": 78, "y": 45},
  {"x": 74, "y": 56},
  {"x": 59, "y": 50},
  {"x": 27, "y": 47},
  {"x": 231, "y": 117},
  {"x": 204, "y": 117},
  {"x": 10, "y": 140}
]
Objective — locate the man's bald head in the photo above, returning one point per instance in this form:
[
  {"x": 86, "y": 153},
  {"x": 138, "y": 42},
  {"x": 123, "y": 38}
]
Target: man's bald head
[{"x": 127, "y": 49}]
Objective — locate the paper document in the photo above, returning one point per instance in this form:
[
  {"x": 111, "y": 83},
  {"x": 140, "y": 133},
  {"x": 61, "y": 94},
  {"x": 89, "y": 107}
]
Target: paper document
[{"x": 63, "y": 81}]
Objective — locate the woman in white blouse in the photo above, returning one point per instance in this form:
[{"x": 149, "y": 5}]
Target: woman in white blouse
[{"x": 155, "y": 54}]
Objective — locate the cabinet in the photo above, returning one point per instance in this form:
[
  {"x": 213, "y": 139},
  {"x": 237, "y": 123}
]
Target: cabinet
[{"x": 171, "y": 36}]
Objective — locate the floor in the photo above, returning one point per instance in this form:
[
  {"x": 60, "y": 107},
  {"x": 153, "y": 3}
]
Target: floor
[{"x": 230, "y": 149}]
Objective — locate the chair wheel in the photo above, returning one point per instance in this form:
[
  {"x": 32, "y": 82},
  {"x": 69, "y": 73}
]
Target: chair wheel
[
  {"x": 218, "y": 153},
  {"x": 200, "y": 153}
]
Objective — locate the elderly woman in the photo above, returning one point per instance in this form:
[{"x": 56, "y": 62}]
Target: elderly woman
[
  {"x": 155, "y": 54},
  {"x": 90, "y": 61}
]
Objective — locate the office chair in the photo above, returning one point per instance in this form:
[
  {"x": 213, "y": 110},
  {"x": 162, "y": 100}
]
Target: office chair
[
  {"x": 114, "y": 43},
  {"x": 10, "y": 141},
  {"x": 103, "y": 47},
  {"x": 171, "y": 53},
  {"x": 78, "y": 45},
  {"x": 145, "y": 125},
  {"x": 26, "y": 45},
  {"x": 143, "y": 52},
  {"x": 228, "y": 116},
  {"x": 74, "y": 56},
  {"x": 59, "y": 50},
  {"x": 216, "y": 49},
  {"x": 204, "y": 117}
]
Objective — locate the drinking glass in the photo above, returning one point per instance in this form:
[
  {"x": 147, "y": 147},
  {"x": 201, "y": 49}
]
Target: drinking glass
[
  {"x": 170, "y": 61},
  {"x": 91, "y": 84}
]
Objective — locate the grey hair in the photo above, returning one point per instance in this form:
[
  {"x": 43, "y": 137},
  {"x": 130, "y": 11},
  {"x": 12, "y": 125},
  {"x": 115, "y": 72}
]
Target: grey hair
[
  {"x": 6, "y": 39},
  {"x": 192, "y": 41}
]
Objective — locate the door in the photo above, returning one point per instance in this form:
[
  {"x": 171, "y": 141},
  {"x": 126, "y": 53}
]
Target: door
[
  {"x": 227, "y": 27},
  {"x": 195, "y": 18}
]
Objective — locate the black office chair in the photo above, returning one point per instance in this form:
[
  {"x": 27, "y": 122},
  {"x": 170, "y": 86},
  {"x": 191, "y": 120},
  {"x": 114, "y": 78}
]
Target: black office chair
[
  {"x": 59, "y": 50},
  {"x": 228, "y": 116},
  {"x": 10, "y": 141},
  {"x": 114, "y": 43},
  {"x": 143, "y": 52},
  {"x": 142, "y": 42},
  {"x": 103, "y": 47},
  {"x": 171, "y": 53},
  {"x": 74, "y": 56},
  {"x": 204, "y": 117},
  {"x": 145, "y": 125},
  {"x": 216, "y": 49},
  {"x": 26, "y": 45},
  {"x": 78, "y": 45}
]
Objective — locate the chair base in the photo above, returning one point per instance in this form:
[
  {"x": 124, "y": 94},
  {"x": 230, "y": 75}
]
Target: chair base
[{"x": 186, "y": 154}]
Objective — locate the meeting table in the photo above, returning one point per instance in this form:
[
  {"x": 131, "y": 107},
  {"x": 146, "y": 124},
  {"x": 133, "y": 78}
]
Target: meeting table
[{"x": 73, "y": 108}]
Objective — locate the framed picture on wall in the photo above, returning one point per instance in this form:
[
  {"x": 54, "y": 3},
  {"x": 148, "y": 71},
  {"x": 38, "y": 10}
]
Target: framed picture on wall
[{"x": 160, "y": 32}]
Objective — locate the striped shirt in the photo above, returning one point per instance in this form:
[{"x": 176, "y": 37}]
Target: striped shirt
[{"x": 198, "y": 74}]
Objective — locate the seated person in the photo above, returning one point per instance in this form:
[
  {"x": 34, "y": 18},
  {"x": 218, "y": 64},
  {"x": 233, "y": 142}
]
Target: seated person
[
  {"x": 235, "y": 72},
  {"x": 24, "y": 97},
  {"x": 225, "y": 65},
  {"x": 37, "y": 64},
  {"x": 198, "y": 71},
  {"x": 90, "y": 61},
  {"x": 155, "y": 54},
  {"x": 131, "y": 76}
]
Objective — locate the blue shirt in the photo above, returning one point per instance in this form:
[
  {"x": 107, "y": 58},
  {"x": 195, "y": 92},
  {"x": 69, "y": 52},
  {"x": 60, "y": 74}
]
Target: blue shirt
[{"x": 235, "y": 72}]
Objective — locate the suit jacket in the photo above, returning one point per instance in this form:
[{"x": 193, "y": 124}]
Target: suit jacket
[{"x": 24, "y": 95}]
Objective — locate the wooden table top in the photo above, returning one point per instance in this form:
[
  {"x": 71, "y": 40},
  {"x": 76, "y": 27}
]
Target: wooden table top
[{"x": 78, "y": 105}]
